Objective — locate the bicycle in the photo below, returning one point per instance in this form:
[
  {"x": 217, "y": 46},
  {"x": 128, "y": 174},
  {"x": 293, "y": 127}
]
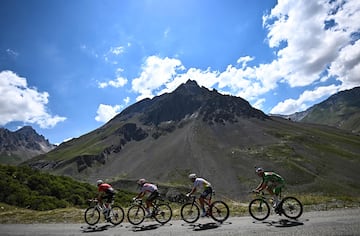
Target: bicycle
[
  {"x": 162, "y": 212},
  {"x": 259, "y": 207},
  {"x": 115, "y": 214},
  {"x": 217, "y": 210}
]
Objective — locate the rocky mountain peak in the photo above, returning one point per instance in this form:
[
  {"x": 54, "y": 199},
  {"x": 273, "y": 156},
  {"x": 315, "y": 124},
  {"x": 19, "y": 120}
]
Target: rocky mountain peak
[
  {"x": 190, "y": 99},
  {"x": 23, "y": 143}
]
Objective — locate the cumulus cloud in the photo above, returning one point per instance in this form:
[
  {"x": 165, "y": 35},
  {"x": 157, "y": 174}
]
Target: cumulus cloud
[
  {"x": 106, "y": 112},
  {"x": 117, "y": 83},
  {"x": 155, "y": 73},
  {"x": 19, "y": 102},
  {"x": 290, "y": 106},
  {"x": 314, "y": 42}
]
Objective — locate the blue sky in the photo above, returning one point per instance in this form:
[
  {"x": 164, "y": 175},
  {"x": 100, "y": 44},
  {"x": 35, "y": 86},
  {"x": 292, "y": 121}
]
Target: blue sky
[{"x": 67, "y": 67}]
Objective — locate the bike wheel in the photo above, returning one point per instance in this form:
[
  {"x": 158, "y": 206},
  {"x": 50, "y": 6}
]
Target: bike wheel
[
  {"x": 219, "y": 211},
  {"x": 92, "y": 215},
  {"x": 116, "y": 215},
  {"x": 190, "y": 212},
  {"x": 259, "y": 209},
  {"x": 163, "y": 213},
  {"x": 291, "y": 207},
  {"x": 136, "y": 215}
]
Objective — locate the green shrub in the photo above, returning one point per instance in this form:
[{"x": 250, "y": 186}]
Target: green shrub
[{"x": 24, "y": 187}]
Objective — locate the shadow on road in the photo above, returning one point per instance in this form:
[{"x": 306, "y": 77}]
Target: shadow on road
[
  {"x": 207, "y": 226},
  {"x": 282, "y": 223},
  {"x": 95, "y": 228},
  {"x": 146, "y": 227}
]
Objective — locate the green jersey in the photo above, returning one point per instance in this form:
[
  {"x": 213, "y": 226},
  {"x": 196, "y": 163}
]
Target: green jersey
[{"x": 272, "y": 177}]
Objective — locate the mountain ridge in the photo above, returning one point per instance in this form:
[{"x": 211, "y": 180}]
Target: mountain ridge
[
  {"x": 22, "y": 144},
  {"x": 219, "y": 137},
  {"x": 341, "y": 110}
]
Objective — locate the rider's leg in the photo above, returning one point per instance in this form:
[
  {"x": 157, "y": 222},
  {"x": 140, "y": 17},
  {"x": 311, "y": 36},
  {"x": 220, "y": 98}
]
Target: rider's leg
[
  {"x": 148, "y": 205},
  {"x": 273, "y": 195},
  {"x": 201, "y": 200}
]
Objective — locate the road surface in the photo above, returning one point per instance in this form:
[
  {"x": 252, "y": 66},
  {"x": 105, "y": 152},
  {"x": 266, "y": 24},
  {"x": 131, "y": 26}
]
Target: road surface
[{"x": 327, "y": 223}]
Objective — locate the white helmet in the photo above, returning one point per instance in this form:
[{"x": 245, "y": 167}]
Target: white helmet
[
  {"x": 99, "y": 182},
  {"x": 259, "y": 170},
  {"x": 192, "y": 176},
  {"x": 141, "y": 181}
]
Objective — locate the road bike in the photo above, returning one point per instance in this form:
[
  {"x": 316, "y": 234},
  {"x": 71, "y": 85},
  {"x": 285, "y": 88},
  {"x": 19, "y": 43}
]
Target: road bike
[
  {"x": 161, "y": 211},
  {"x": 259, "y": 208},
  {"x": 113, "y": 214},
  {"x": 217, "y": 210}
]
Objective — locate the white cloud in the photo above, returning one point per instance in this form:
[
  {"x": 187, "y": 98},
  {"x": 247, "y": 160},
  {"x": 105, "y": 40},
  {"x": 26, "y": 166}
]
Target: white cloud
[
  {"x": 117, "y": 50},
  {"x": 290, "y": 106},
  {"x": 155, "y": 73},
  {"x": 106, "y": 112},
  {"x": 12, "y": 53},
  {"x": 18, "y": 102},
  {"x": 117, "y": 83},
  {"x": 126, "y": 100},
  {"x": 313, "y": 42}
]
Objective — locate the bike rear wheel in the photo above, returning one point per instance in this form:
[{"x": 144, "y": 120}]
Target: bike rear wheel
[
  {"x": 92, "y": 215},
  {"x": 291, "y": 207},
  {"x": 190, "y": 212},
  {"x": 219, "y": 211},
  {"x": 259, "y": 209},
  {"x": 116, "y": 215},
  {"x": 163, "y": 213},
  {"x": 136, "y": 215}
]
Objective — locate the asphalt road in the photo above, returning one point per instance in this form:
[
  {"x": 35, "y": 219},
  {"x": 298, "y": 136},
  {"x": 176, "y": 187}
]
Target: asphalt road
[{"x": 337, "y": 222}]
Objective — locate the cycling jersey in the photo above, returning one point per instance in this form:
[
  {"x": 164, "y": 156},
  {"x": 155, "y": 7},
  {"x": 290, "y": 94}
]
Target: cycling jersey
[
  {"x": 272, "y": 177},
  {"x": 202, "y": 183},
  {"x": 108, "y": 191},
  {"x": 106, "y": 188},
  {"x": 147, "y": 187}
]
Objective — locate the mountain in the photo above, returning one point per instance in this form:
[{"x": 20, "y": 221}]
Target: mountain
[
  {"x": 341, "y": 110},
  {"x": 219, "y": 137},
  {"x": 21, "y": 145}
]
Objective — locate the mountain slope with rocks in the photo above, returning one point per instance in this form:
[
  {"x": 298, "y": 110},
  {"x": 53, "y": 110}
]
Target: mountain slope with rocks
[
  {"x": 21, "y": 145},
  {"x": 341, "y": 110},
  {"x": 219, "y": 137}
]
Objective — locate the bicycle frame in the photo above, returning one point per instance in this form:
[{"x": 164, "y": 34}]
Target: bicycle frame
[{"x": 290, "y": 206}]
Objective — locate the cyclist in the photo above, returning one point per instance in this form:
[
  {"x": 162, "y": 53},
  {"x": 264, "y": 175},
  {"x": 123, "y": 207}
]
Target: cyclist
[
  {"x": 207, "y": 189},
  {"x": 106, "y": 192},
  {"x": 271, "y": 181},
  {"x": 146, "y": 187}
]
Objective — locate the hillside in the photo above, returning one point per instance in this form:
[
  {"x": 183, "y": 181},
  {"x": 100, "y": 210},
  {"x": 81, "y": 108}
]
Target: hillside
[
  {"x": 21, "y": 145},
  {"x": 220, "y": 137},
  {"x": 341, "y": 110}
]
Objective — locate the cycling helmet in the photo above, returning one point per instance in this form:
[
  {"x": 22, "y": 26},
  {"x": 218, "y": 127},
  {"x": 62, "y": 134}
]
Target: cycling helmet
[
  {"x": 259, "y": 170},
  {"x": 141, "y": 181},
  {"x": 99, "y": 182},
  {"x": 192, "y": 176}
]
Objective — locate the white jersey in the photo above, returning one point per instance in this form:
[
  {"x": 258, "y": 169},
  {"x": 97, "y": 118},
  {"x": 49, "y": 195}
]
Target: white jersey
[
  {"x": 147, "y": 187},
  {"x": 201, "y": 183}
]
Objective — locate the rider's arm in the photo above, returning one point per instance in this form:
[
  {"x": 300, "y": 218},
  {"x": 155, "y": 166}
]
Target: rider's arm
[
  {"x": 99, "y": 197},
  {"x": 261, "y": 186},
  {"x": 193, "y": 190},
  {"x": 140, "y": 195}
]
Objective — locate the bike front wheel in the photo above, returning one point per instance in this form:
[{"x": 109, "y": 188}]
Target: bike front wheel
[
  {"x": 259, "y": 209},
  {"x": 92, "y": 215},
  {"x": 116, "y": 215},
  {"x": 291, "y": 207},
  {"x": 219, "y": 211},
  {"x": 136, "y": 215},
  {"x": 162, "y": 213},
  {"x": 190, "y": 212}
]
